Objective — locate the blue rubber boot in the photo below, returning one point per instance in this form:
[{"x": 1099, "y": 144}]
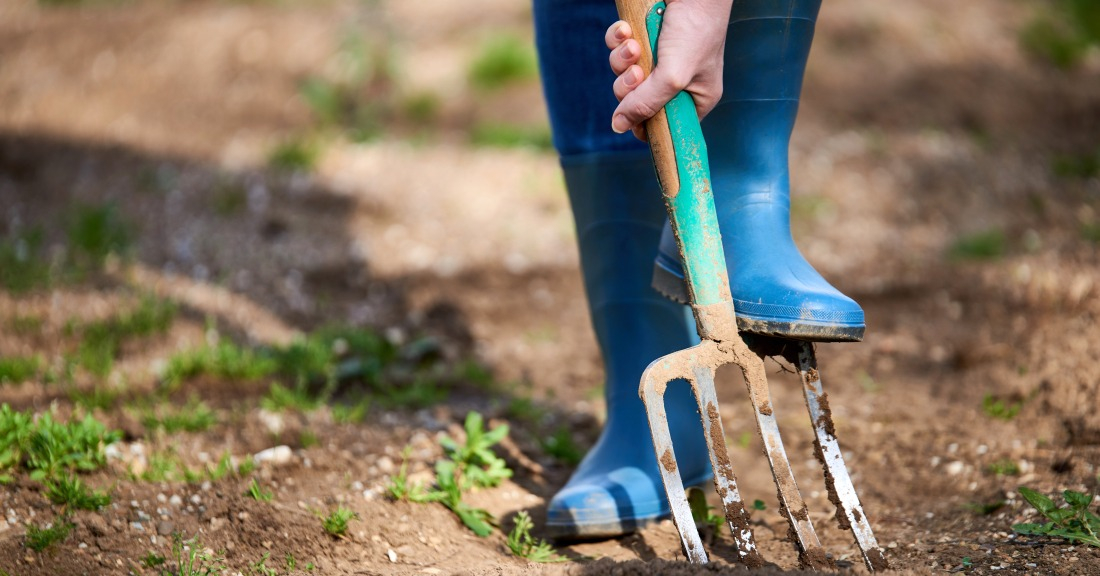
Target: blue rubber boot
[
  {"x": 775, "y": 291},
  {"x": 617, "y": 488}
]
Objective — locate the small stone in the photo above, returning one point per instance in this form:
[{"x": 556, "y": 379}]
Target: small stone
[
  {"x": 196, "y": 499},
  {"x": 955, "y": 468},
  {"x": 385, "y": 464},
  {"x": 391, "y": 555},
  {"x": 162, "y": 498},
  {"x": 96, "y": 525},
  {"x": 137, "y": 526},
  {"x": 276, "y": 456},
  {"x": 175, "y": 500},
  {"x": 165, "y": 528}
]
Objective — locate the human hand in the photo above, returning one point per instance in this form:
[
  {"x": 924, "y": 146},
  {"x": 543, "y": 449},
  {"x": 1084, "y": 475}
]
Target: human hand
[{"x": 690, "y": 54}]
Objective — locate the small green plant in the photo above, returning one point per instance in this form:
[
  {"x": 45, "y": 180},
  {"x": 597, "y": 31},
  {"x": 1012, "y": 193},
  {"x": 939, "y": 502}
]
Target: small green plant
[
  {"x": 562, "y": 448},
  {"x": 291, "y": 563},
  {"x": 985, "y": 508},
  {"x": 985, "y": 245},
  {"x": 474, "y": 459},
  {"x": 522, "y": 544},
  {"x": 298, "y": 398},
  {"x": 225, "y": 360},
  {"x": 503, "y": 60},
  {"x": 759, "y": 505},
  {"x": 256, "y": 492},
  {"x": 195, "y": 416},
  {"x": 701, "y": 512},
  {"x": 102, "y": 341},
  {"x": 1073, "y": 522},
  {"x": 97, "y": 232},
  {"x": 192, "y": 560},
  {"x": 23, "y": 267},
  {"x": 46, "y": 447},
  {"x": 336, "y": 523},
  {"x": 399, "y": 488},
  {"x": 260, "y": 567},
  {"x": 38, "y": 539},
  {"x": 353, "y": 413},
  {"x": 451, "y": 485},
  {"x": 152, "y": 560},
  {"x": 1004, "y": 467},
  {"x": 71, "y": 493},
  {"x": 19, "y": 369},
  {"x": 1001, "y": 409},
  {"x": 1063, "y": 31},
  {"x": 295, "y": 155},
  {"x": 497, "y": 135}
]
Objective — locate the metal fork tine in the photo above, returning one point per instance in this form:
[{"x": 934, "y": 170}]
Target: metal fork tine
[
  {"x": 725, "y": 482},
  {"x": 792, "y": 506},
  {"x": 655, "y": 380},
  {"x": 837, "y": 481}
]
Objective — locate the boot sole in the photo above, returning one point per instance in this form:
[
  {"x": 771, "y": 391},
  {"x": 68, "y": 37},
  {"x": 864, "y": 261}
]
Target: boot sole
[
  {"x": 672, "y": 287},
  {"x": 567, "y": 533}
]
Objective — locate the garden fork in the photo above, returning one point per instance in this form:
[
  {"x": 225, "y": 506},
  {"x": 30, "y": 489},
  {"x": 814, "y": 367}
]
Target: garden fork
[{"x": 680, "y": 157}]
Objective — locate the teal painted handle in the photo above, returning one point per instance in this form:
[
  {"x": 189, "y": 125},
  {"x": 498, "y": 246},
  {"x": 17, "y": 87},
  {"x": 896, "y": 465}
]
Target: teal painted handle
[{"x": 691, "y": 210}]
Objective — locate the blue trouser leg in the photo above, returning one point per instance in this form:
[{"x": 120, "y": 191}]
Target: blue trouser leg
[{"x": 618, "y": 213}]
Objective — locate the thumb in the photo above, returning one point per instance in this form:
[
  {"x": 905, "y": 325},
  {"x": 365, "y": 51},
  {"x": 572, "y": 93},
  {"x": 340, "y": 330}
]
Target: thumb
[{"x": 646, "y": 100}]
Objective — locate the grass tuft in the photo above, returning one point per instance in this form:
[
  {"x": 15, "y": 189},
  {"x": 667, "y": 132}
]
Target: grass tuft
[
  {"x": 503, "y": 60},
  {"x": 336, "y": 523},
  {"x": 38, "y": 539},
  {"x": 71, "y": 493},
  {"x": 522, "y": 544}
]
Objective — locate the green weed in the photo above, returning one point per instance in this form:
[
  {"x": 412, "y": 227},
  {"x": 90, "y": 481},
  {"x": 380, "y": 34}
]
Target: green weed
[
  {"x": 1004, "y": 467},
  {"x": 985, "y": 508},
  {"x": 95, "y": 233},
  {"x": 38, "y": 539},
  {"x": 451, "y": 485},
  {"x": 501, "y": 61},
  {"x": 1001, "y": 409},
  {"x": 497, "y": 135},
  {"x": 257, "y": 493},
  {"x": 46, "y": 447},
  {"x": 399, "y": 488},
  {"x": 262, "y": 568},
  {"x": 23, "y": 267},
  {"x": 1083, "y": 166},
  {"x": 474, "y": 459},
  {"x": 701, "y": 512},
  {"x": 759, "y": 505},
  {"x": 299, "y": 398},
  {"x": 562, "y": 448},
  {"x": 97, "y": 398},
  {"x": 28, "y": 325},
  {"x": 192, "y": 560},
  {"x": 1073, "y": 522},
  {"x": 421, "y": 108},
  {"x": 152, "y": 560},
  {"x": 336, "y": 523},
  {"x": 71, "y": 493},
  {"x": 351, "y": 413},
  {"x": 195, "y": 416},
  {"x": 19, "y": 369},
  {"x": 295, "y": 155},
  {"x": 986, "y": 245},
  {"x": 225, "y": 360},
  {"x": 1063, "y": 32},
  {"x": 522, "y": 544},
  {"x": 102, "y": 341}
]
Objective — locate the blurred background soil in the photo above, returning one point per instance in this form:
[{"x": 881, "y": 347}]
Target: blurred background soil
[{"x": 385, "y": 165}]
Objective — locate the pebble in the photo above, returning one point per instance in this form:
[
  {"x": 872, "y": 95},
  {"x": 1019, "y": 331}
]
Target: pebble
[
  {"x": 955, "y": 468},
  {"x": 385, "y": 464},
  {"x": 391, "y": 555},
  {"x": 137, "y": 526},
  {"x": 196, "y": 499},
  {"x": 165, "y": 528},
  {"x": 162, "y": 498},
  {"x": 175, "y": 500},
  {"x": 276, "y": 456}
]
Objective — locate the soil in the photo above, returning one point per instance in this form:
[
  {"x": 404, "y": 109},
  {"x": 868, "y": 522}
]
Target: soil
[{"x": 921, "y": 123}]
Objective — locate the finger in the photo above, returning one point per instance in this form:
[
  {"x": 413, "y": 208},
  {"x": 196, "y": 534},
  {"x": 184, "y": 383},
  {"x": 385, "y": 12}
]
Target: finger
[
  {"x": 640, "y": 134},
  {"x": 627, "y": 81},
  {"x": 625, "y": 56},
  {"x": 616, "y": 34},
  {"x": 645, "y": 100}
]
